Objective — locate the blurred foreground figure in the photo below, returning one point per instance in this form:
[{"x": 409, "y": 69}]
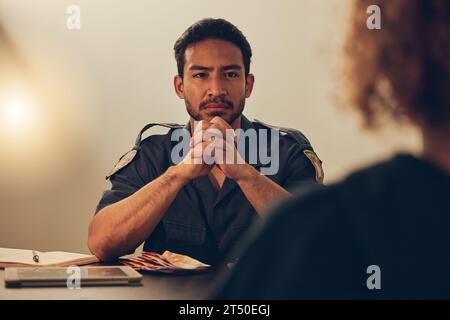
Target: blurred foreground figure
[{"x": 383, "y": 232}]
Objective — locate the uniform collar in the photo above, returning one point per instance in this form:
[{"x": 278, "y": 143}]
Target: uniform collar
[{"x": 245, "y": 124}]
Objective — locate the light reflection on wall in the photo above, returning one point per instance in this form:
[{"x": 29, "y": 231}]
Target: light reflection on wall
[{"x": 45, "y": 160}]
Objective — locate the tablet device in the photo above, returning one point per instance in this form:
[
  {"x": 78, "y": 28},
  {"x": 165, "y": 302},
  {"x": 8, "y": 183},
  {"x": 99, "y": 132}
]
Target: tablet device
[{"x": 57, "y": 276}]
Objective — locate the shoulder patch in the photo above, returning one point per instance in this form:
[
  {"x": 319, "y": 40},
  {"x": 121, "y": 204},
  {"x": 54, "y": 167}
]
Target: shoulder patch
[
  {"x": 123, "y": 162},
  {"x": 305, "y": 146},
  {"x": 312, "y": 156},
  {"x": 128, "y": 157}
]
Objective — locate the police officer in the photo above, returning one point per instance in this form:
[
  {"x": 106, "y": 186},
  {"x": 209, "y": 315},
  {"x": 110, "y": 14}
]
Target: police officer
[{"x": 199, "y": 208}]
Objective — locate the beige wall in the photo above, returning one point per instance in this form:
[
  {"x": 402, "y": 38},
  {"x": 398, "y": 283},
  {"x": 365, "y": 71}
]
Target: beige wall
[{"x": 93, "y": 89}]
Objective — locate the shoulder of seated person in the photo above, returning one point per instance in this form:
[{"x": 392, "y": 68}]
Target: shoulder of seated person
[
  {"x": 287, "y": 133},
  {"x": 152, "y": 141}
]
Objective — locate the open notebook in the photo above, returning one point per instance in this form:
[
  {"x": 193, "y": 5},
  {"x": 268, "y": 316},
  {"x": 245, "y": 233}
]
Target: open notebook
[{"x": 24, "y": 258}]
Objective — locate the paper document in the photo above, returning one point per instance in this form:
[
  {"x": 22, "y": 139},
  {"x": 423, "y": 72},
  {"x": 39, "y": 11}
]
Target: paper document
[{"x": 21, "y": 257}]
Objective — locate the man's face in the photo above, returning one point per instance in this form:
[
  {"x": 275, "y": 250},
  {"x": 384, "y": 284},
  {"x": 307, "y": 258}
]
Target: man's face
[{"x": 214, "y": 82}]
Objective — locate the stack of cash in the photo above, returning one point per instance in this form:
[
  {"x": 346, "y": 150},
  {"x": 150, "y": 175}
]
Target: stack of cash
[{"x": 168, "y": 262}]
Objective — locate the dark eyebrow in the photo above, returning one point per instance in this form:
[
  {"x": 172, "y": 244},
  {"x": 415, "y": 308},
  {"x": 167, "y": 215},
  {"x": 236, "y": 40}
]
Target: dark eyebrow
[
  {"x": 196, "y": 67},
  {"x": 203, "y": 68},
  {"x": 232, "y": 66}
]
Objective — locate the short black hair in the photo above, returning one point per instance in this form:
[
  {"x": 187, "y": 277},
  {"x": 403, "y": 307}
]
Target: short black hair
[{"x": 210, "y": 28}]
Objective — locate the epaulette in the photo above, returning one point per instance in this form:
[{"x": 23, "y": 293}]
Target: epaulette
[
  {"x": 293, "y": 133},
  {"x": 130, "y": 155},
  {"x": 305, "y": 146}
]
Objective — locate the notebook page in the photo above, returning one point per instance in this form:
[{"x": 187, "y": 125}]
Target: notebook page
[
  {"x": 21, "y": 256},
  {"x": 17, "y": 256},
  {"x": 57, "y": 257}
]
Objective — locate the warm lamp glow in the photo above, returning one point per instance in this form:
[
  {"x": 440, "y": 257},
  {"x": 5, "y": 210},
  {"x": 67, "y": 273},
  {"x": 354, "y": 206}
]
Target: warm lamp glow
[{"x": 17, "y": 112}]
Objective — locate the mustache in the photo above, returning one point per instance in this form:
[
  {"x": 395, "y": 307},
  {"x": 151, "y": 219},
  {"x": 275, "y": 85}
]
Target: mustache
[{"x": 203, "y": 104}]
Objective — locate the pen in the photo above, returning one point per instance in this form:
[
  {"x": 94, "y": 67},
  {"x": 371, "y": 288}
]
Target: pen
[{"x": 35, "y": 257}]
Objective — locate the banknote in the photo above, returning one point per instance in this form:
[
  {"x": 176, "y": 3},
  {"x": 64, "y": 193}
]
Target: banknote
[{"x": 168, "y": 262}]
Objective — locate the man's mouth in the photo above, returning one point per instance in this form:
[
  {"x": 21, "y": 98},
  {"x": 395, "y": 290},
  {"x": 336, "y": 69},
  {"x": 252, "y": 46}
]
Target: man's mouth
[{"x": 217, "y": 106}]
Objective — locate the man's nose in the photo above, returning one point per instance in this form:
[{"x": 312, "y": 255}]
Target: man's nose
[{"x": 216, "y": 88}]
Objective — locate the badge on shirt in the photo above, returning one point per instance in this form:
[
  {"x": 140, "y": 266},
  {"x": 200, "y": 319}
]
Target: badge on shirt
[
  {"x": 312, "y": 156},
  {"x": 123, "y": 162}
]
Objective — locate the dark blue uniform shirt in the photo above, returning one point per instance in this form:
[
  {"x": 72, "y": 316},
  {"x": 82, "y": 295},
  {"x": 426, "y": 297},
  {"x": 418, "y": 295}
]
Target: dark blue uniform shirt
[{"x": 202, "y": 222}]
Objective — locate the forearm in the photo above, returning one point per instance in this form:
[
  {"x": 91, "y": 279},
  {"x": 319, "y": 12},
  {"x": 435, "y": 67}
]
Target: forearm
[
  {"x": 259, "y": 190},
  {"x": 121, "y": 227}
]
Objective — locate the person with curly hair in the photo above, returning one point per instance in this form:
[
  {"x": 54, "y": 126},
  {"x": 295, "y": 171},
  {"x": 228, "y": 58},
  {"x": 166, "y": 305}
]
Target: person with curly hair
[{"x": 381, "y": 233}]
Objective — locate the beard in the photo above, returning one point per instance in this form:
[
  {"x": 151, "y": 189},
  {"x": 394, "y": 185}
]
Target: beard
[{"x": 228, "y": 117}]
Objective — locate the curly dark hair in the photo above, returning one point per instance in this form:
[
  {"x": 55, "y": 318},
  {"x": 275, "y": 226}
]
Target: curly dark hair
[
  {"x": 403, "y": 69},
  {"x": 212, "y": 29}
]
